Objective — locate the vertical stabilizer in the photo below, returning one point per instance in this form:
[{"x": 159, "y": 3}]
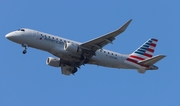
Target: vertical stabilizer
[{"x": 145, "y": 51}]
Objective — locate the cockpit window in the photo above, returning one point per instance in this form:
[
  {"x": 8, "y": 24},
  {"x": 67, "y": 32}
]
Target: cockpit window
[{"x": 21, "y": 30}]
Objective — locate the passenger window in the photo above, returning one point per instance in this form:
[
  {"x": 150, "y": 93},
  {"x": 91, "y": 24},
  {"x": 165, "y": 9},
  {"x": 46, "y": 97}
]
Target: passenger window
[
  {"x": 68, "y": 42},
  {"x": 65, "y": 41},
  {"x": 56, "y": 38},
  {"x": 112, "y": 53},
  {"x": 49, "y": 37},
  {"x": 100, "y": 50},
  {"x": 104, "y": 51},
  {"x": 108, "y": 52}
]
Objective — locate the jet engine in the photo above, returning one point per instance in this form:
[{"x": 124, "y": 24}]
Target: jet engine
[
  {"x": 55, "y": 62},
  {"x": 72, "y": 47}
]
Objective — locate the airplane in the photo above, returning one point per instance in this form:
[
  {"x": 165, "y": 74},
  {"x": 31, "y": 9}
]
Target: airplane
[{"x": 71, "y": 54}]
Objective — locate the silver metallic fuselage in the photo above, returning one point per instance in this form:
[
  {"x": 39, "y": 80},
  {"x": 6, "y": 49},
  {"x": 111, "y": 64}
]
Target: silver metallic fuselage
[{"x": 55, "y": 45}]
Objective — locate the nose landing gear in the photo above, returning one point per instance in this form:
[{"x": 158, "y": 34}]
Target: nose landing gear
[
  {"x": 24, "y": 51},
  {"x": 25, "y": 48}
]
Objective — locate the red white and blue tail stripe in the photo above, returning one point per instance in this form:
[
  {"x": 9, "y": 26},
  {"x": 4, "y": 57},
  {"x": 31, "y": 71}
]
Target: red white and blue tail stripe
[{"x": 145, "y": 51}]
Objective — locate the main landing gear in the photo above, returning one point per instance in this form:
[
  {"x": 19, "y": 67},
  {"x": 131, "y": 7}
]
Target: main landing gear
[
  {"x": 83, "y": 59},
  {"x": 74, "y": 70},
  {"x": 25, "y": 48}
]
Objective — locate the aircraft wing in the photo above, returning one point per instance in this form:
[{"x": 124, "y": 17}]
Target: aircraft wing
[{"x": 101, "y": 41}]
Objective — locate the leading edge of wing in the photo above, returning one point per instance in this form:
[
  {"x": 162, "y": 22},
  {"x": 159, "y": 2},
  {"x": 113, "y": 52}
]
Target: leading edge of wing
[
  {"x": 108, "y": 36},
  {"x": 123, "y": 28}
]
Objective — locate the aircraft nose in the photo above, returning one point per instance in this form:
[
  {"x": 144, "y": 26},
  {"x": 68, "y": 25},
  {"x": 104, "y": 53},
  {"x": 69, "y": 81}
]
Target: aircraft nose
[{"x": 9, "y": 36}]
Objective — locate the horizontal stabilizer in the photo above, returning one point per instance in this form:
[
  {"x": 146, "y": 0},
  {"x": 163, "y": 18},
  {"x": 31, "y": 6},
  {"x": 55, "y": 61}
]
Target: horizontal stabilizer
[{"x": 152, "y": 60}]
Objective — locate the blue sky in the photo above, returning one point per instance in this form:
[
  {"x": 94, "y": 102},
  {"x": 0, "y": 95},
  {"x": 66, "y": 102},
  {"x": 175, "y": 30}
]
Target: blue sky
[{"x": 25, "y": 80}]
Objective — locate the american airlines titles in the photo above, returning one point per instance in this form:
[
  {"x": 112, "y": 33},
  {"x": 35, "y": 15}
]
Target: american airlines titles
[{"x": 51, "y": 39}]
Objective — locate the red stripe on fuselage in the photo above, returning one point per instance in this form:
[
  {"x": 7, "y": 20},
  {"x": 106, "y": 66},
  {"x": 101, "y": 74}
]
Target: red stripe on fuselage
[
  {"x": 136, "y": 57},
  {"x": 131, "y": 60},
  {"x": 136, "y": 62}
]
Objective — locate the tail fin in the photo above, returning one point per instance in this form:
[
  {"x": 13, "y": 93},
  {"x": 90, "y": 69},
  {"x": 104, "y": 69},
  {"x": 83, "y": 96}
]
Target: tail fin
[{"x": 145, "y": 51}]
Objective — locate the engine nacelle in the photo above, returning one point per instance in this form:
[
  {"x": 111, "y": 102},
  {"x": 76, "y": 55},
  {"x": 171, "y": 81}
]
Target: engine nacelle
[
  {"x": 55, "y": 62},
  {"x": 72, "y": 47}
]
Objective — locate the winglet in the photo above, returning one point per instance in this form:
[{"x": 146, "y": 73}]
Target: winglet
[{"x": 123, "y": 28}]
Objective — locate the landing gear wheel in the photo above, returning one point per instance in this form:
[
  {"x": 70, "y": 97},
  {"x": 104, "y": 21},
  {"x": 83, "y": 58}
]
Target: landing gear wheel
[
  {"x": 24, "y": 52},
  {"x": 25, "y": 48}
]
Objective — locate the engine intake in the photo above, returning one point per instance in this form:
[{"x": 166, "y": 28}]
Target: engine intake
[
  {"x": 72, "y": 47},
  {"x": 55, "y": 62}
]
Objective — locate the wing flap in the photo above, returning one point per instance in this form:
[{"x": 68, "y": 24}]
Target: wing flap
[
  {"x": 66, "y": 69},
  {"x": 65, "y": 72},
  {"x": 152, "y": 60}
]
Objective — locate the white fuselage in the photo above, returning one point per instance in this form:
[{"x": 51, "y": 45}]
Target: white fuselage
[{"x": 55, "y": 45}]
